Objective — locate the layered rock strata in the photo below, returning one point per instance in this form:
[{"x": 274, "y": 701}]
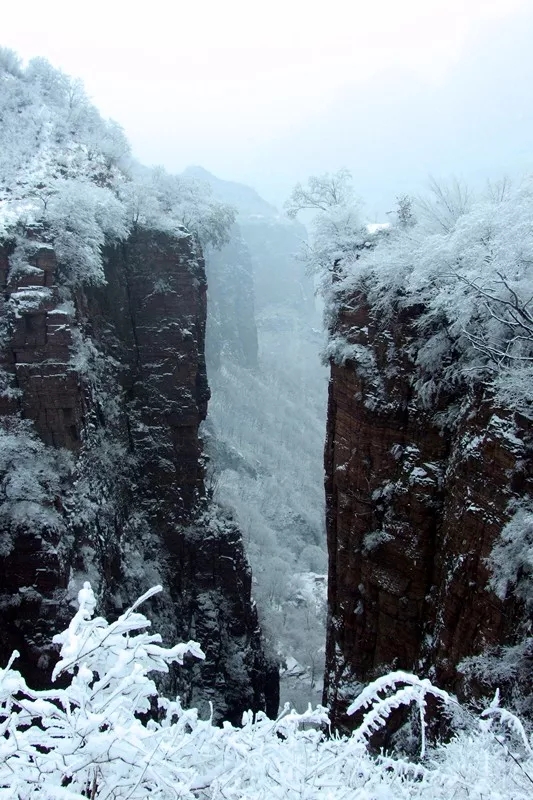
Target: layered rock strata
[
  {"x": 101, "y": 466},
  {"x": 417, "y": 496}
]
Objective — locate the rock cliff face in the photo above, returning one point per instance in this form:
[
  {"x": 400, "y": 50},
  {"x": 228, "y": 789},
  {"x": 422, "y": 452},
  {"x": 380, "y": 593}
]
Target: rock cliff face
[
  {"x": 416, "y": 500},
  {"x": 101, "y": 466}
]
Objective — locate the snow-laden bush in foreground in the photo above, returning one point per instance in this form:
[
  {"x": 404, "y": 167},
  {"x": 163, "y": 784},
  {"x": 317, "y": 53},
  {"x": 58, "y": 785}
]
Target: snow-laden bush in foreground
[{"x": 92, "y": 738}]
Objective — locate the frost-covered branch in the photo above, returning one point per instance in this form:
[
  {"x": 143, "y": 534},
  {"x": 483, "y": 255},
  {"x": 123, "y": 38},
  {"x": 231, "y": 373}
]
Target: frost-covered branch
[
  {"x": 445, "y": 204},
  {"x": 406, "y": 689},
  {"x": 502, "y": 304},
  {"x": 92, "y": 738},
  {"x": 322, "y": 193},
  {"x": 68, "y": 175},
  {"x": 337, "y": 234}
]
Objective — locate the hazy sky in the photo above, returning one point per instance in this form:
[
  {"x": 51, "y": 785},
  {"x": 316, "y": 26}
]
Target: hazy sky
[{"x": 269, "y": 93}]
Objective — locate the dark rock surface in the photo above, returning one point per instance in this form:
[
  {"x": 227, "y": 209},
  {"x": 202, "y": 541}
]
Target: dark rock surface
[
  {"x": 104, "y": 390},
  {"x": 416, "y": 499}
]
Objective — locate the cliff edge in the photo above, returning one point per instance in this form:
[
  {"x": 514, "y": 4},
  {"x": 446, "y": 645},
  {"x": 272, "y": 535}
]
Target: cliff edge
[
  {"x": 417, "y": 498},
  {"x": 102, "y": 473}
]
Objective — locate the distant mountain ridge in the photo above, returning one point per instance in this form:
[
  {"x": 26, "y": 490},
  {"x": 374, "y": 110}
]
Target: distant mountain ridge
[{"x": 244, "y": 198}]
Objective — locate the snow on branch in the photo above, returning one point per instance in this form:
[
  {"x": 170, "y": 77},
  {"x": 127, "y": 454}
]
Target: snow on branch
[
  {"x": 464, "y": 268},
  {"x": 68, "y": 175},
  {"x": 322, "y": 193},
  {"x": 406, "y": 689},
  {"x": 108, "y": 735}
]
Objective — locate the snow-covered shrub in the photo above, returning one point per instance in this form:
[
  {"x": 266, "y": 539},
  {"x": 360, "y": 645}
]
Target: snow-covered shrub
[
  {"x": 88, "y": 739},
  {"x": 508, "y": 667},
  {"x": 511, "y": 560},
  {"x": 406, "y": 689},
  {"x": 31, "y": 476},
  {"x": 107, "y": 734}
]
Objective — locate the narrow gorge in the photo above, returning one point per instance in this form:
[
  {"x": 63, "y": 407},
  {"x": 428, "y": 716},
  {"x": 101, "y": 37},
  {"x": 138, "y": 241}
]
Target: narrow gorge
[{"x": 118, "y": 469}]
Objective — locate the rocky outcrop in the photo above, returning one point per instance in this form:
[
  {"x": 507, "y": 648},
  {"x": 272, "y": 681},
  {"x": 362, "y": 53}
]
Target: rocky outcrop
[
  {"x": 417, "y": 496},
  {"x": 101, "y": 466}
]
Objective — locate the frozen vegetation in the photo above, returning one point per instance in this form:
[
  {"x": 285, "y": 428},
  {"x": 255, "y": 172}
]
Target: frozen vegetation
[
  {"x": 67, "y": 175},
  {"x": 108, "y": 734},
  {"x": 466, "y": 260}
]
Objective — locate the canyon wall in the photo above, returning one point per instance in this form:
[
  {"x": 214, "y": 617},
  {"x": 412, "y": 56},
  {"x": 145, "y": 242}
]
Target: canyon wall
[
  {"x": 101, "y": 466},
  {"x": 417, "y": 495}
]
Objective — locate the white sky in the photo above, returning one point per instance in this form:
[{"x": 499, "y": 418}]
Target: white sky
[{"x": 270, "y": 93}]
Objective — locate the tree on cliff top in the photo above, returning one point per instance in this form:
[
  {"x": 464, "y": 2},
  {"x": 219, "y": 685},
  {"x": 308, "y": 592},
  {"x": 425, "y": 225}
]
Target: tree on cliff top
[
  {"x": 322, "y": 193},
  {"x": 444, "y": 204},
  {"x": 157, "y": 199},
  {"x": 466, "y": 262},
  {"x": 337, "y": 233},
  {"x": 68, "y": 174}
]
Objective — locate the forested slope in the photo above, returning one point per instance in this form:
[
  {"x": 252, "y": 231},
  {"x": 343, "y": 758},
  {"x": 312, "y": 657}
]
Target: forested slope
[{"x": 103, "y": 390}]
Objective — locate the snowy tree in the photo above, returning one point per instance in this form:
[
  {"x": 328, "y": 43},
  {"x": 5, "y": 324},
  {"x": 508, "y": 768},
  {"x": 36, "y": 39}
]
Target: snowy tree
[
  {"x": 472, "y": 274},
  {"x": 175, "y": 203},
  {"x": 322, "y": 193},
  {"x": 68, "y": 175},
  {"x": 404, "y": 213},
  {"x": 337, "y": 234},
  {"x": 444, "y": 204}
]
